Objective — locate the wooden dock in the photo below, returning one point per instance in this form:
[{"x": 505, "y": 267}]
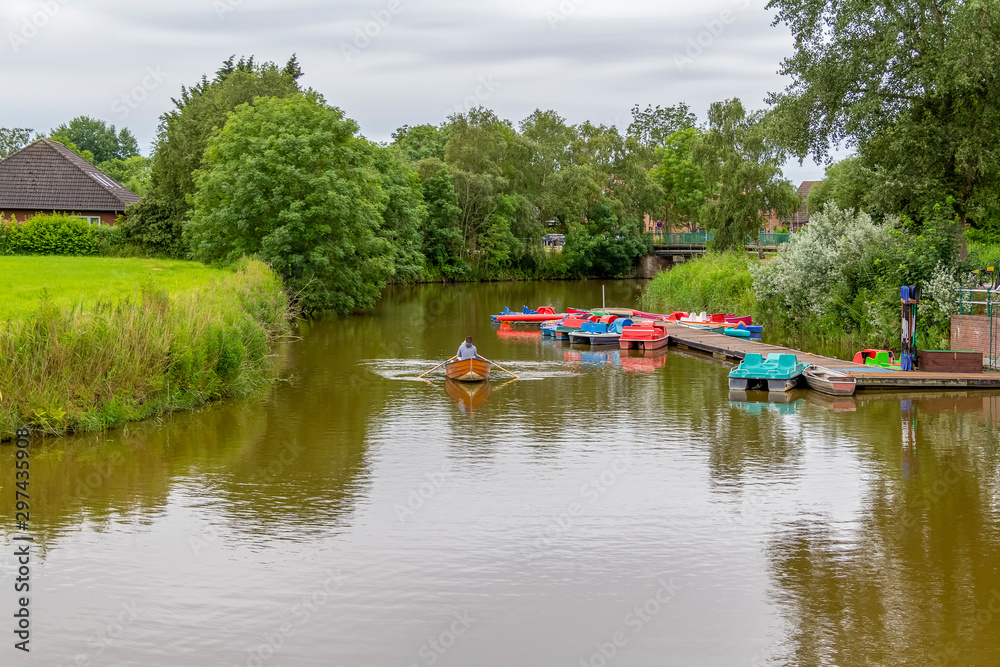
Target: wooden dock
[{"x": 869, "y": 377}]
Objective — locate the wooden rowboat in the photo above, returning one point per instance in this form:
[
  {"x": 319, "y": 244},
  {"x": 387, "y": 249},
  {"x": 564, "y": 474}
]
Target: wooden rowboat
[
  {"x": 468, "y": 370},
  {"x": 830, "y": 382}
]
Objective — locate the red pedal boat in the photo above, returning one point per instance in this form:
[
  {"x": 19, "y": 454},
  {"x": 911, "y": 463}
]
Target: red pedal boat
[{"x": 645, "y": 336}]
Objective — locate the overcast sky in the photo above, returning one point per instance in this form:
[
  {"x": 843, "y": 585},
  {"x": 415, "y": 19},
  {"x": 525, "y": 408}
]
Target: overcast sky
[{"x": 387, "y": 63}]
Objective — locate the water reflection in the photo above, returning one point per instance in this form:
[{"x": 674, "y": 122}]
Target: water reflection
[
  {"x": 804, "y": 528},
  {"x": 469, "y": 395},
  {"x": 643, "y": 361}
]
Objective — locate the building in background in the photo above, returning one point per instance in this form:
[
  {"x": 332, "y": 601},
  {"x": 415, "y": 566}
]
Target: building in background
[{"x": 47, "y": 177}]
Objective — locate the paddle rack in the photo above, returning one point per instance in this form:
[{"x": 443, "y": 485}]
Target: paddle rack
[{"x": 910, "y": 299}]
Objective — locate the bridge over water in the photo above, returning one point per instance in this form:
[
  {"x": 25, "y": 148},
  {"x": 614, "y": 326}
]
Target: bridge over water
[{"x": 693, "y": 243}]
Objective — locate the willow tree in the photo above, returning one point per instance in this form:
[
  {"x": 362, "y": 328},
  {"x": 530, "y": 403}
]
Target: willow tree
[{"x": 735, "y": 155}]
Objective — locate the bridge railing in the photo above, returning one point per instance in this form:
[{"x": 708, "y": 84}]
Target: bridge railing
[
  {"x": 774, "y": 239},
  {"x": 701, "y": 238}
]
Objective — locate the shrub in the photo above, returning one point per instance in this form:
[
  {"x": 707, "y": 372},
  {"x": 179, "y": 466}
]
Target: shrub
[
  {"x": 50, "y": 234},
  {"x": 152, "y": 227}
]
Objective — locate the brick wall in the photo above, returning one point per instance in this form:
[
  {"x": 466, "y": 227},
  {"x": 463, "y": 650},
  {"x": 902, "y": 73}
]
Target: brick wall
[
  {"x": 972, "y": 333},
  {"x": 22, "y": 215}
]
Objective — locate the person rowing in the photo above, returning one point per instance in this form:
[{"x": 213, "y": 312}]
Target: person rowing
[{"x": 467, "y": 350}]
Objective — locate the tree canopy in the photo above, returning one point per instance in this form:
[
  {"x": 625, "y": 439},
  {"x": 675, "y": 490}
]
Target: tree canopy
[
  {"x": 745, "y": 170},
  {"x": 914, "y": 85},
  {"x": 184, "y": 132},
  {"x": 94, "y": 136},
  {"x": 13, "y": 139},
  {"x": 288, "y": 181},
  {"x": 685, "y": 189}
]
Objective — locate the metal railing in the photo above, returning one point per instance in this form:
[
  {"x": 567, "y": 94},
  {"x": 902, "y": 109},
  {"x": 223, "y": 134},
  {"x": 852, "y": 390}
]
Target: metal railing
[
  {"x": 967, "y": 302},
  {"x": 701, "y": 238}
]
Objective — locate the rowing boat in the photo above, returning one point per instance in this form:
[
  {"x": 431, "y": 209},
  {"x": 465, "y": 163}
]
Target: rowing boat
[
  {"x": 829, "y": 381},
  {"x": 468, "y": 370}
]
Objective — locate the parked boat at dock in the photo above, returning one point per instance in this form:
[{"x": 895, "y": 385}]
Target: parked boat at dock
[
  {"x": 779, "y": 372},
  {"x": 600, "y": 333},
  {"x": 829, "y": 381},
  {"x": 644, "y": 336}
]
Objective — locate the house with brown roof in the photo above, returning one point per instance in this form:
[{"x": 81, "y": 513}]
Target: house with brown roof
[
  {"x": 47, "y": 177},
  {"x": 801, "y": 218}
]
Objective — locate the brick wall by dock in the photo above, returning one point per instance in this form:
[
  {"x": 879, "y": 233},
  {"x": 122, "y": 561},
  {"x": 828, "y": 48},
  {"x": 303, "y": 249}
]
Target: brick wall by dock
[{"x": 972, "y": 333}]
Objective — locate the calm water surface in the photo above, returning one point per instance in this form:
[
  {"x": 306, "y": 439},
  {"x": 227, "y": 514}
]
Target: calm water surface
[{"x": 607, "y": 509}]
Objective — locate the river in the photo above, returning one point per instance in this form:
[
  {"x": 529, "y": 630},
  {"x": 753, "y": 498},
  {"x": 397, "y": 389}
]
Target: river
[{"x": 607, "y": 509}]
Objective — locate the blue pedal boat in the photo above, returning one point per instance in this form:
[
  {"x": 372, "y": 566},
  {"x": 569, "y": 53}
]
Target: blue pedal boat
[
  {"x": 599, "y": 333},
  {"x": 779, "y": 372}
]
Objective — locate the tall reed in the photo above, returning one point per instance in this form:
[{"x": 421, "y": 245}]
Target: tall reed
[
  {"x": 65, "y": 369},
  {"x": 714, "y": 283}
]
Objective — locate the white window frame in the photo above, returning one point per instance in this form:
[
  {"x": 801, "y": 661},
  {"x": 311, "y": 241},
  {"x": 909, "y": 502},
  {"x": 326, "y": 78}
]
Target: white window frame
[{"x": 91, "y": 219}]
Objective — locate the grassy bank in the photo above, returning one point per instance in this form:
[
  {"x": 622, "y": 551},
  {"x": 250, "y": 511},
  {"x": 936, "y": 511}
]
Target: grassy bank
[
  {"x": 82, "y": 282},
  {"x": 117, "y": 340},
  {"x": 714, "y": 283},
  {"x": 724, "y": 282}
]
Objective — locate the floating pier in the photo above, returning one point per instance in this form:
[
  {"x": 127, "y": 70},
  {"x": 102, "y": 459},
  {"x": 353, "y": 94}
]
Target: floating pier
[{"x": 868, "y": 377}]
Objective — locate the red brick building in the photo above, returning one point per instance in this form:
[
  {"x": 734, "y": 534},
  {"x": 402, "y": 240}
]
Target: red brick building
[{"x": 47, "y": 177}]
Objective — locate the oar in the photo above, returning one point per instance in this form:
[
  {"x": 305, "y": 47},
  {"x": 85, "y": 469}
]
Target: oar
[
  {"x": 501, "y": 368},
  {"x": 436, "y": 367}
]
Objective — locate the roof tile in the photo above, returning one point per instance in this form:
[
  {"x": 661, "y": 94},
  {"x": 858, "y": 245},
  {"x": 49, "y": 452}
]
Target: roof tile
[{"x": 47, "y": 176}]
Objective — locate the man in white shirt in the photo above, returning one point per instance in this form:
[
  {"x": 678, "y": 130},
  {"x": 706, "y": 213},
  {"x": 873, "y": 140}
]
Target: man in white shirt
[{"x": 467, "y": 350}]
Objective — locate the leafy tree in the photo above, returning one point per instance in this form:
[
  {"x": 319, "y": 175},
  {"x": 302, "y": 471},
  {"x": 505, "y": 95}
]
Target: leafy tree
[
  {"x": 475, "y": 155},
  {"x": 845, "y": 185},
  {"x": 184, "y": 132},
  {"x": 65, "y": 141},
  {"x": 153, "y": 226},
  {"x": 133, "y": 173},
  {"x": 404, "y": 213},
  {"x": 98, "y": 138},
  {"x": 737, "y": 157},
  {"x": 913, "y": 84},
  {"x": 13, "y": 139},
  {"x": 685, "y": 189},
  {"x": 442, "y": 231},
  {"x": 605, "y": 246},
  {"x": 421, "y": 142},
  {"x": 288, "y": 181},
  {"x": 654, "y": 125}
]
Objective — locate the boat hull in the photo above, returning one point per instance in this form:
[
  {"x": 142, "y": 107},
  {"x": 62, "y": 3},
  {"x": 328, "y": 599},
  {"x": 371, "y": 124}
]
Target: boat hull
[
  {"x": 782, "y": 384},
  {"x": 656, "y": 343},
  {"x": 468, "y": 370},
  {"x": 594, "y": 338},
  {"x": 830, "y": 383}
]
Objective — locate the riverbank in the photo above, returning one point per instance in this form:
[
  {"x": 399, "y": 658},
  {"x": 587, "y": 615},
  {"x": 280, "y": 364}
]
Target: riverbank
[{"x": 111, "y": 341}]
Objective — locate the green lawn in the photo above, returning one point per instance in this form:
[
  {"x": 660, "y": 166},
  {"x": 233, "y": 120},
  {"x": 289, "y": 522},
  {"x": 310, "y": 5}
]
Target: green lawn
[{"x": 72, "y": 280}]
